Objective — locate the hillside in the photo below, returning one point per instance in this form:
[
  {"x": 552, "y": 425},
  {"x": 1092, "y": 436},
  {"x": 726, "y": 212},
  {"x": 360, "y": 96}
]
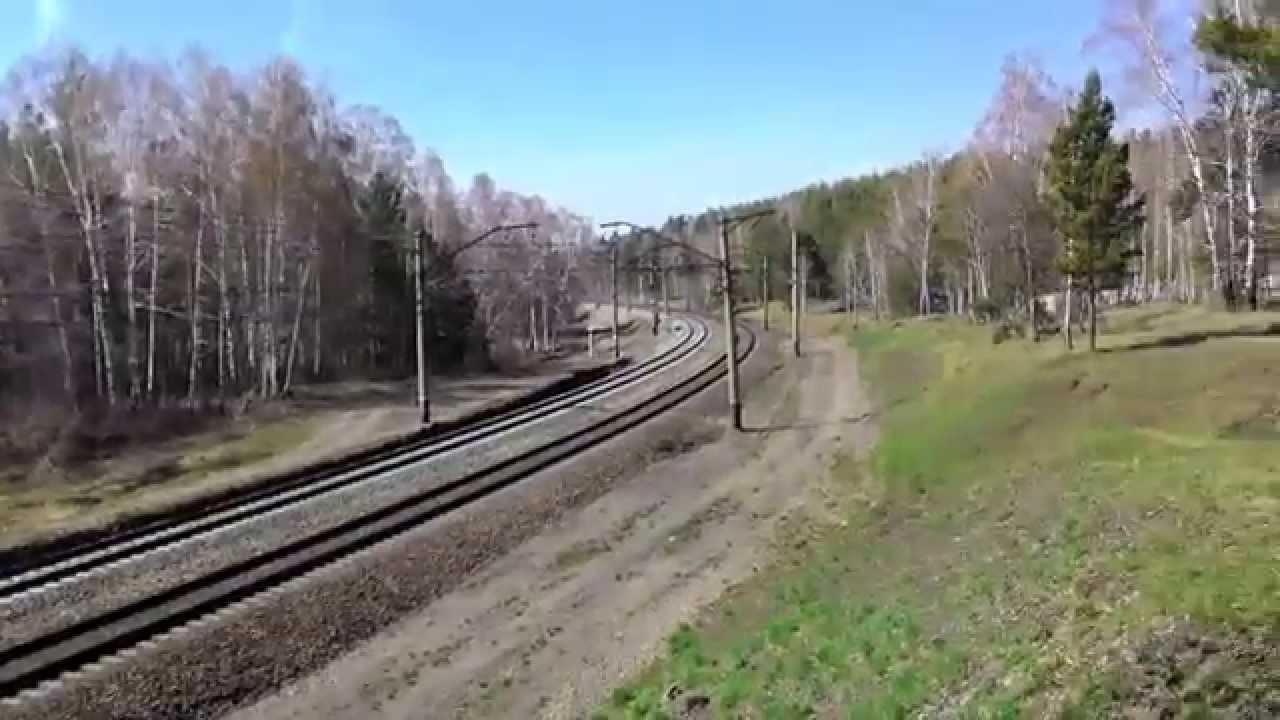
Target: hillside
[{"x": 1036, "y": 534}]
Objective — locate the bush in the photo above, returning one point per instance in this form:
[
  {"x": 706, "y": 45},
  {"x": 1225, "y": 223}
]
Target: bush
[
  {"x": 1007, "y": 330},
  {"x": 986, "y": 310}
]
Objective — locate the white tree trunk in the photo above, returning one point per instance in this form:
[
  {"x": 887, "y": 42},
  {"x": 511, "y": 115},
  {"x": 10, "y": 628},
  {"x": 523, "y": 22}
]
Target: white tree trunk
[
  {"x": 151, "y": 296},
  {"x": 315, "y": 336},
  {"x": 131, "y": 302},
  {"x": 873, "y": 274},
  {"x": 1166, "y": 92},
  {"x": 533, "y": 326},
  {"x": 1251, "y": 149},
  {"x": 249, "y": 306},
  {"x": 927, "y": 210},
  {"x": 64, "y": 345},
  {"x": 1232, "y": 249},
  {"x": 86, "y": 210},
  {"x": 1188, "y": 271},
  {"x": 546, "y": 326},
  {"x": 1066, "y": 320},
  {"x": 297, "y": 325},
  {"x": 193, "y": 366},
  {"x": 38, "y": 191},
  {"x": 1206, "y": 206},
  {"x": 226, "y": 341}
]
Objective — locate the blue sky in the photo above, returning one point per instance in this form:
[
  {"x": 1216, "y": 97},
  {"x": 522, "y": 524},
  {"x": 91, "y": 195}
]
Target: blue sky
[{"x": 621, "y": 110}]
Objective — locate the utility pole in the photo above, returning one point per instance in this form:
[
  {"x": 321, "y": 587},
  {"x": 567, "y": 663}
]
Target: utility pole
[
  {"x": 420, "y": 312},
  {"x": 422, "y": 309},
  {"x": 804, "y": 285},
  {"x": 795, "y": 293},
  {"x": 653, "y": 298},
  {"x": 613, "y": 277},
  {"x": 764, "y": 293},
  {"x": 730, "y": 336},
  {"x": 725, "y": 265}
]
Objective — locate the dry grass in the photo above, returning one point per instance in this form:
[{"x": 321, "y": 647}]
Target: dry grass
[{"x": 50, "y": 500}]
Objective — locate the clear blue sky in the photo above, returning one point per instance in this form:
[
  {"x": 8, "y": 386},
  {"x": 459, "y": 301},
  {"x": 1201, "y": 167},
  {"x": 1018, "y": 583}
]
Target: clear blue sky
[{"x": 627, "y": 110}]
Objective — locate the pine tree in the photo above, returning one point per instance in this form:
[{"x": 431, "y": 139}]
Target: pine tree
[
  {"x": 1253, "y": 47},
  {"x": 452, "y": 303},
  {"x": 387, "y": 308},
  {"x": 1095, "y": 210}
]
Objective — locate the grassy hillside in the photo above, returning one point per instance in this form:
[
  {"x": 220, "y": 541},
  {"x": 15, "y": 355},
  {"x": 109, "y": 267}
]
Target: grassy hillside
[{"x": 1037, "y": 534}]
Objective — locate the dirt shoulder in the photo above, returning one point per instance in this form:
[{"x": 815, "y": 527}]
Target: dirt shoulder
[
  {"x": 318, "y": 424},
  {"x": 548, "y": 629}
]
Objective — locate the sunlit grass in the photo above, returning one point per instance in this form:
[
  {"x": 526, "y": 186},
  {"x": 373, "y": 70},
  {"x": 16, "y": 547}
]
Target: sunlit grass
[{"x": 1038, "y": 510}]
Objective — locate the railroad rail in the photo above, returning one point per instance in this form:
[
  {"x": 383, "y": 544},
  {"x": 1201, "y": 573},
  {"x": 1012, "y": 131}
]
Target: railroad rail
[
  {"x": 28, "y": 666},
  {"x": 78, "y": 562}
]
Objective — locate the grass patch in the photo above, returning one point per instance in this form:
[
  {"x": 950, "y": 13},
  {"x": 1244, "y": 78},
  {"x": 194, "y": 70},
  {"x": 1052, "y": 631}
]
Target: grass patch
[
  {"x": 255, "y": 446},
  {"x": 579, "y": 553},
  {"x": 1048, "y": 536},
  {"x": 110, "y": 488}
]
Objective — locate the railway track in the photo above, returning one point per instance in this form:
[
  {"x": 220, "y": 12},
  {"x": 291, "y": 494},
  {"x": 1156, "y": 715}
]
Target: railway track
[
  {"x": 77, "y": 562},
  {"x": 26, "y": 667}
]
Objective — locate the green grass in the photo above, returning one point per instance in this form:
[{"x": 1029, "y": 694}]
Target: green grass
[
  {"x": 1033, "y": 514},
  {"x": 264, "y": 442}
]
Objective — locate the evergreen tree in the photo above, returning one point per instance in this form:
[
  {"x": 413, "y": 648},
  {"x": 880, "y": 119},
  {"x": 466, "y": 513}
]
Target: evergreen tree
[
  {"x": 452, "y": 304},
  {"x": 1096, "y": 212},
  {"x": 388, "y": 306},
  {"x": 818, "y": 273},
  {"x": 1253, "y": 47}
]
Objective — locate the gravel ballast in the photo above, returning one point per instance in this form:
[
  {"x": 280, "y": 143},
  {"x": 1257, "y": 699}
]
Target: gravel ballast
[
  {"x": 37, "y": 614},
  {"x": 248, "y": 652}
]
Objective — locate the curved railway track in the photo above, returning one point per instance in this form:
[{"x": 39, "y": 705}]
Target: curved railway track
[
  {"x": 26, "y": 666},
  {"x": 78, "y": 562}
]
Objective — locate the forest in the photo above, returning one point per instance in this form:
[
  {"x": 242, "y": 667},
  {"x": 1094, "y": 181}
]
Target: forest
[
  {"x": 184, "y": 236},
  {"x": 972, "y": 231}
]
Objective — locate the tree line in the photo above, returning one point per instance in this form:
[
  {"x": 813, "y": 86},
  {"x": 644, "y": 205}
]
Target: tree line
[
  {"x": 182, "y": 233},
  {"x": 978, "y": 231}
]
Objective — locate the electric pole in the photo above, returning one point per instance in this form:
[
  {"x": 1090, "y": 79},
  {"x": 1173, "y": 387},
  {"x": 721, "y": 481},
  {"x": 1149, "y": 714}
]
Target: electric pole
[
  {"x": 795, "y": 293},
  {"x": 764, "y": 293},
  {"x": 730, "y": 336},
  {"x": 613, "y": 278},
  {"x": 804, "y": 285},
  {"x": 725, "y": 265},
  {"x": 420, "y": 312},
  {"x": 422, "y": 307}
]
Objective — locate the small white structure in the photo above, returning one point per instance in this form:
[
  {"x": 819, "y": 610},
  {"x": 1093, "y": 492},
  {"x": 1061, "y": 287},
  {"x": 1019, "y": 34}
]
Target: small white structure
[{"x": 1051, "y": 302}]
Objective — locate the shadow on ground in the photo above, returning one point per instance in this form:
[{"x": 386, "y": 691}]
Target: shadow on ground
[{"x": 1195, "y": 338}]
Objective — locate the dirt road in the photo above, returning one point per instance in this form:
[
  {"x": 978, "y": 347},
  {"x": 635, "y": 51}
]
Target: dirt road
[{"x": 547, "y": 630}]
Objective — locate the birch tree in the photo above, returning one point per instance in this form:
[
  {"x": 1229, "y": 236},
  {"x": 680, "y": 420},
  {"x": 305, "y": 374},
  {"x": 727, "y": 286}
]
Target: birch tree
[
  {"x": 192, "y": 235},
  {"x": 1165, "y": 69}
]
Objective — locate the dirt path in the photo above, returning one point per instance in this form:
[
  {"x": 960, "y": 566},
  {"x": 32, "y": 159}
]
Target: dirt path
[{"x": 550, "y": 628}]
